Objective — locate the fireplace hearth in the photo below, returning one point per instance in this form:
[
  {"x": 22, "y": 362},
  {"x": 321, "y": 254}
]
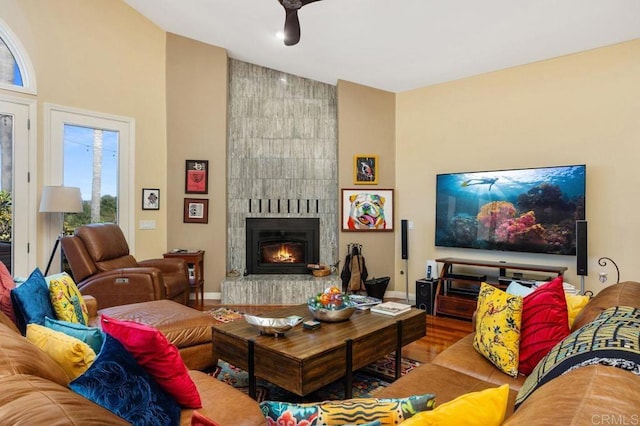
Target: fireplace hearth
[{"x": 282, "y": 245}]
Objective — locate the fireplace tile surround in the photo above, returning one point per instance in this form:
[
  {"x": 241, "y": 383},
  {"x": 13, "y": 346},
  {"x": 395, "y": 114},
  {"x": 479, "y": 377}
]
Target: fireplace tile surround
[
  {"x": 274, "y": 289},
  {"x": 282, "y": 163}
]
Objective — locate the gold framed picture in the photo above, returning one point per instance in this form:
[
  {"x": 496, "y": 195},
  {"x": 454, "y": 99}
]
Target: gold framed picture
[{"x": 365, "y": 169}]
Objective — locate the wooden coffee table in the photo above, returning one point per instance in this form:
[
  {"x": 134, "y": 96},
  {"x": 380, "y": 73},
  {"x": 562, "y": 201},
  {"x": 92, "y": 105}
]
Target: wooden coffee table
[{"x": 303, "y": 361}]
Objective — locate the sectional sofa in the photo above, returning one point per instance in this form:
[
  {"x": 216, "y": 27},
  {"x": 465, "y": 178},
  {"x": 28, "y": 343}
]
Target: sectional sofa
[
  {"x": 35, "y": 390},
  {"x": 592, "y": 394}
]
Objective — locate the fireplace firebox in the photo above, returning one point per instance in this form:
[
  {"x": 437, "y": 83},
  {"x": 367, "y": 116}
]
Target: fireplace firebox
[{"x": 282, "y": 245}]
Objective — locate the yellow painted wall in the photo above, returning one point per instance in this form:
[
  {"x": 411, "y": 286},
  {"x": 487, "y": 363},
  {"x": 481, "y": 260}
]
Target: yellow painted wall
[
  {"x": 197, "y": 130},
  {"x": 366, "y": 125},
  {"x": 578, "y": 109},
  {"x": 103, "y": 56}
]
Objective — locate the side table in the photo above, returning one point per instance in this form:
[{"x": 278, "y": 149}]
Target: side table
[{"x": 195, "y": 263}]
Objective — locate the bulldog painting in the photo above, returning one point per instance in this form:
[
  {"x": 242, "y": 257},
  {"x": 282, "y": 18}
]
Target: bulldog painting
[{"x": 366, "y": 212}]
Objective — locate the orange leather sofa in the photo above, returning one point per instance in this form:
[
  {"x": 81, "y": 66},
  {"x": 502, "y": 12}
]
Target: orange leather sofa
[{"x": 587, "y": 395}]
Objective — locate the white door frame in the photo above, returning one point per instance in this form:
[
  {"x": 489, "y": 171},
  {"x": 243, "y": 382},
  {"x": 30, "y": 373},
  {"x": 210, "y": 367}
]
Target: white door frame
[
  {"x": 24, "y": 241},
  {"x": 55, "y": 117}
]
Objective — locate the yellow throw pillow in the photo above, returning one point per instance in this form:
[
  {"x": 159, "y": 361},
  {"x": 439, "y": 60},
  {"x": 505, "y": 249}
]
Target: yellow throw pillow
[
  {"x": 67, "y": 301},
  {"x": 483, "y": 408},
  {"x": 575, "y": 304},
  {"x": 72, "y": 354},
  {"x": 497, "y": 336}
]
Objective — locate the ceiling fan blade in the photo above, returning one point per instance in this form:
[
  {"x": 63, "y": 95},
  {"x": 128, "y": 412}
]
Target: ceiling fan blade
[{"x": 291, "y": 28}]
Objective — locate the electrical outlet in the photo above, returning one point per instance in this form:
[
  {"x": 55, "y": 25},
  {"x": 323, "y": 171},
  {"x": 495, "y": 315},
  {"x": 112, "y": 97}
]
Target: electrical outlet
[{"x": 603, "y": 277}]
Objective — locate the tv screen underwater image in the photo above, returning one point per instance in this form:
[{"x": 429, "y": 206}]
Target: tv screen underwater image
[{"x": 527, "y": 210}]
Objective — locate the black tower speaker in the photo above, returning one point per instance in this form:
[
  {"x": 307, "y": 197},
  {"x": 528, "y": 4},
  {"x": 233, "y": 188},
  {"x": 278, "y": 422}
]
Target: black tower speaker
[
  {"x": 426, "y": 295},
  {"x": 404, "y": 228},
  {"x": 581, "y": 247}
]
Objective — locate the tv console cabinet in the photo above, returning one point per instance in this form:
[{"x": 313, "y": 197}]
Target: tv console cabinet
[{"x": 457, "y": 293}]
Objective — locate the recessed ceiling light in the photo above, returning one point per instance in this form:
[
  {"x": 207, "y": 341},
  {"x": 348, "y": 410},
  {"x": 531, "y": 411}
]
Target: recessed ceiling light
[{"x": 280, "y": 35}]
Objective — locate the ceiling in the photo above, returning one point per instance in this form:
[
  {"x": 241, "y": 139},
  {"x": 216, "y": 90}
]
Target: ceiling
[{"x": 399, "y": 45}]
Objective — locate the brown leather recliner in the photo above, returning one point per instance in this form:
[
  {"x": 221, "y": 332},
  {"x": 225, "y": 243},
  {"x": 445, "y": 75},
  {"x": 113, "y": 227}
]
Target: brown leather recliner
[{"x": 98, "y": 255}]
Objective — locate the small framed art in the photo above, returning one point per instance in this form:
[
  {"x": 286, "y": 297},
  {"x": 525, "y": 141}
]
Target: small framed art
[
  {"x": 196, "y": 179},
  {"x": 365, "y": 169},
  {"x": 196, "y": 210},
  {"x": 150, "y": 199},
  {"x": 367, "y": 210}
]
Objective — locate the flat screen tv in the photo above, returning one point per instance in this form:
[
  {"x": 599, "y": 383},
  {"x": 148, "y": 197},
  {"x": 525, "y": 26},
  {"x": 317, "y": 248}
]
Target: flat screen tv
[{"x": 527, "y": 210}]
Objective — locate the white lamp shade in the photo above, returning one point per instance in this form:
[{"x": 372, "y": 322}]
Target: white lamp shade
[{"x": 61, "y": 199}]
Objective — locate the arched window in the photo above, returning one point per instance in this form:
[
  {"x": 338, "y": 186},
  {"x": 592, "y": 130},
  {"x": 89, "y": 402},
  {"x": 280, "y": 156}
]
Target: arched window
[
  {"x": 18, "y": 214},
  {"x": 16, "y": 71}
]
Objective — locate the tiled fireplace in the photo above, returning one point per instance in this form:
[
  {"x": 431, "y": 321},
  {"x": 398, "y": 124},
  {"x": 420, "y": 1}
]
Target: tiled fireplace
[{"x": 282, "y": 162}]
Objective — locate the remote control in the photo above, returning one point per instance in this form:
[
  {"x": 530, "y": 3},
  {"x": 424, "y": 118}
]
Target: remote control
[{"x": 311, "y": 325}]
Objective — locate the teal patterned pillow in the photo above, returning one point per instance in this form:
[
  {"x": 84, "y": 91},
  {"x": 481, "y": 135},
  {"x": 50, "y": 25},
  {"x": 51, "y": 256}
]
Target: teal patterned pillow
[
  {"x": 116, "y": 382},
  {"x": 373, "y": 411}
]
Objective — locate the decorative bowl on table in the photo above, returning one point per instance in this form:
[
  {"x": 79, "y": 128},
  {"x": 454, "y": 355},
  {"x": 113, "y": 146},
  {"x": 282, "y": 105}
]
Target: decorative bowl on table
[
  {"x": 332, "y": 315},
  {"x": 331, "y": 306},
  {"x": 275, "y": 326}
]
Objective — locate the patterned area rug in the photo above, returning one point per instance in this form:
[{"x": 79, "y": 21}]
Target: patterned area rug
[
  {"x": 366, "y": 382},
  {"x": 225, "y": 315}
]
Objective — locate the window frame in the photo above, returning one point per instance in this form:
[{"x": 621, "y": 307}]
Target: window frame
[
  {"x": 24, "y": 231},
  {"x": 22, "y": 59},
  {"x": 56, "y": 116}
]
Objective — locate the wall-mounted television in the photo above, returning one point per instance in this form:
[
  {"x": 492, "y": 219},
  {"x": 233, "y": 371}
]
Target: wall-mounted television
[{"x": 527, "y": 210}]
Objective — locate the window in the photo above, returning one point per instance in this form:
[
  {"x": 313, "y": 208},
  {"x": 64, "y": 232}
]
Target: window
[
  {"x": 16, "y": 71},
  {"x": 9, "y": 69},
  {"x": 91, "y": 164},
  {"x": 92, "y": 151},
  {"x": 18, "y": 207}
]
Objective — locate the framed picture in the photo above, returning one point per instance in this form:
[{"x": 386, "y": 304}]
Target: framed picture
[
  {"x": 367, "y": 210},
  {"x": 150, "y": 199},
  {"x": 196, "y": 179},
  {"x": 196, "y": 210},
  {"x": 365, "y": 169}
]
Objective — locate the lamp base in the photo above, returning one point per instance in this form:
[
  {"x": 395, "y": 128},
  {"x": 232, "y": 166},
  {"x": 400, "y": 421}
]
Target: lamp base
[{"x": 53, "y": 254}]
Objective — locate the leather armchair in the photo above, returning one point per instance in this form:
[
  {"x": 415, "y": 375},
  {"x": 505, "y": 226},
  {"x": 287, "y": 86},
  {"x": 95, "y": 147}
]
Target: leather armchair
[{"x": 101, "y": 265}]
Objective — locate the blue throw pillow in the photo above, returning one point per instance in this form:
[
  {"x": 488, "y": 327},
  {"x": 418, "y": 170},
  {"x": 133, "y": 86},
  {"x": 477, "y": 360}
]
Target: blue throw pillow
[
  {"x": 116, "y": 382},
  {"x": 92, "y": 336},
  {"x": 31, "y": 301}
]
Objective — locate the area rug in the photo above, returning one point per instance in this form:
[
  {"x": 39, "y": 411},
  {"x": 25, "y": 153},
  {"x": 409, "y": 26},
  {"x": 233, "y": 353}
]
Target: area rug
[
  {"x": 366, "y": 382},
  {"x": 225, "y": 315}
]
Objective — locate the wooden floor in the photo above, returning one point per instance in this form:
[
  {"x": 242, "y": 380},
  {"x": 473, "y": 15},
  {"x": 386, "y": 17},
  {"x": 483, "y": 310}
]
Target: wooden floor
[{"x": 441, "y": 331}]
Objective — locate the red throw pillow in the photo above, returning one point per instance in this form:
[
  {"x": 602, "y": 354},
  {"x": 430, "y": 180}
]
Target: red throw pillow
[
  {"x": 6, "y": 285},
  {"x": 200, "y": 420},
  {"x": 157, "y": 356},
  {"x": 545, "y": 322}
]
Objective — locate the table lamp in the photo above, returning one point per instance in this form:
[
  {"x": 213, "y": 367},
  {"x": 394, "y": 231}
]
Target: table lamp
[{"x": 61, "y": 200}]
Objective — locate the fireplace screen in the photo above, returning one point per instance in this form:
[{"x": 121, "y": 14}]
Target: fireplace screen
[{"x": 282, "y": 245}]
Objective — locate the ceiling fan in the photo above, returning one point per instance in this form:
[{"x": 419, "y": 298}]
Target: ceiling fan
[{"x": 291, "y": 22}]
